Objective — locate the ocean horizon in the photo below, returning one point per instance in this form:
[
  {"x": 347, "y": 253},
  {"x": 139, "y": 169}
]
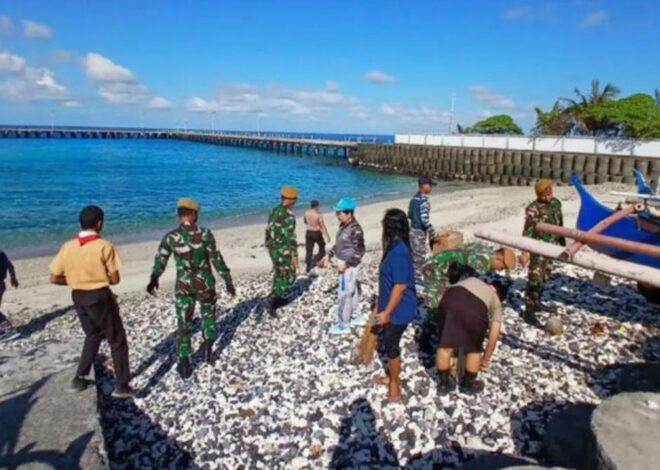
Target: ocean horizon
[{"x": 45, "y": 183}]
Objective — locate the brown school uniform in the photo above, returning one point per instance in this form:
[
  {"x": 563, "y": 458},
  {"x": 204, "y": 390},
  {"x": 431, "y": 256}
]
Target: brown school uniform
[{"x": 86, "y": 263}]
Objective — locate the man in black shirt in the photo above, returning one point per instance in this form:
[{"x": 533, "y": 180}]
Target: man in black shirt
[{"x": 6, "y": 266}]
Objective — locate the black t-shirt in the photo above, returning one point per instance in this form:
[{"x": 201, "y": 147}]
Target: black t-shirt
[{"x": 5, "y": 265}]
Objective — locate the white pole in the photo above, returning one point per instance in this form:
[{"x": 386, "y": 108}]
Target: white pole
[{"x": 451, "y": 114}]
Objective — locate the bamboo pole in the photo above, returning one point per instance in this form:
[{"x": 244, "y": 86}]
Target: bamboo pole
[
  {"x": 597, "y": 239},
  {"x": 595, "y": 261}
]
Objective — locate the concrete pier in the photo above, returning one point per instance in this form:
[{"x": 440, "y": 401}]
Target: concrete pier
[{"x": 336, "y": 148}]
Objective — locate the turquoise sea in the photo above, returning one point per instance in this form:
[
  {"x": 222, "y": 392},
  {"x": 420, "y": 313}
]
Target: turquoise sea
[{"x": 45, "y": 182}]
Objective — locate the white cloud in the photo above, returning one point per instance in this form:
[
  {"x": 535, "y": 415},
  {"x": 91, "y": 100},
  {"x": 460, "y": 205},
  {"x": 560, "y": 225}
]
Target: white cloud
[
  {"x": 124, "y": 92},
  {"x": 119, "y": 85},
  {"x": 594, "y": 18},
  {"x": 62, "y": 56},
  {"x": 376, "y": 76},
  {"x": 100, "y": 68},
  {"x": 411, "y": 114},
  {"x": 34, "y": 30},
  {"x": 331, "y": 86},
  {"x": 11, "y": 63},
  {"x": 485, "y": 95},
  {"x": 277, "y": 100},
  {"x": 356, "y": 108},
  {"x": 158, "y": 102},
  {"x": 517, "y": 13},
  {"x": 21, "y": 82},
  {"x": 6, "y": 25},
  {"x": 72, "y": 104}
]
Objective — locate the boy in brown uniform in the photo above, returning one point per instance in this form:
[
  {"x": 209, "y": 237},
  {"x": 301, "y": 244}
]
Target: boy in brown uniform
[{"x": 90, "y": 265}]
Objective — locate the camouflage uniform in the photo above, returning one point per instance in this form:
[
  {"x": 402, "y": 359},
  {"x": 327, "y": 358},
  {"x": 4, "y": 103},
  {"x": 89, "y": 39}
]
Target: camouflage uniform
[
  {"x": 540, "y": 267},
  {"x": 450, "y": 266},
  {"x": 194, "y": 251},
  {"x": 282, "y": 248}
]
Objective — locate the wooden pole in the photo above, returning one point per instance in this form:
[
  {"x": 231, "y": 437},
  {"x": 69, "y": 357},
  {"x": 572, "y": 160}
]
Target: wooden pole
[
  {"x": 597, "y": 239},
  {"x": 599, "y": 227},
  {"x": 595, "y": 261}
]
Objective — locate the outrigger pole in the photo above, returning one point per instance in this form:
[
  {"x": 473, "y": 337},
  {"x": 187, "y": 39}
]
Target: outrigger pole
[{"x": 594, "y": 261}]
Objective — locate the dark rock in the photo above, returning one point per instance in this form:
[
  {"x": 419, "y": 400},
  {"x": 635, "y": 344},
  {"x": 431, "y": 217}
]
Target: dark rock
[
  {"x": 639, "y": 378},
  {"x": 496, "y": 462},
  {"x": 315, "y": 416},
  {"x": 567, "y": 436}
]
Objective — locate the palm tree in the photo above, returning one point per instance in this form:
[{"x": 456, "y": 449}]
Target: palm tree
[{"x": 597, "y": 96}]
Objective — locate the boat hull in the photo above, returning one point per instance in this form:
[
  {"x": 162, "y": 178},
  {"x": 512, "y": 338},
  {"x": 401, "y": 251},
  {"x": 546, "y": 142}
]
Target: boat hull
[{"x": 632, "y": 228}]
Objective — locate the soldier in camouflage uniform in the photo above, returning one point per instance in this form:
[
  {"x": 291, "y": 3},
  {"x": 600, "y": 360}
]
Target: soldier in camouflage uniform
[
  {"x": 282, "y": 247},
  {"x": 194, "y": 251},
  {"x": 450, "y": 266},
  {"x": 545, "y": 208}
]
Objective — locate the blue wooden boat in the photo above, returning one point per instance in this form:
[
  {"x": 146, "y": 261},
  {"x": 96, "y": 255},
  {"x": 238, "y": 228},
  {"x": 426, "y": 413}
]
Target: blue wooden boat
[{"x": 638, "y": 228}]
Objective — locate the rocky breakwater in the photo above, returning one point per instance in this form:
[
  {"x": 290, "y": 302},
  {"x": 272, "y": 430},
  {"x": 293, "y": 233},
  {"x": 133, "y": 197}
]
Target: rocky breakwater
[{"x": 504, "y": 167}]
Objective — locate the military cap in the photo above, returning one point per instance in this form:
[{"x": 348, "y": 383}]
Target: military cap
[
  {"x": 542, "y": 185},
  {"x": 187, "y": 203},
  {"x": 289, "y": 192},
  {"x": 426, "y": 180}
]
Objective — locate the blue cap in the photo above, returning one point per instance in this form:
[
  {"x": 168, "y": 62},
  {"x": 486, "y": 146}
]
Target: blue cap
[{"x": 345, "y": 204}]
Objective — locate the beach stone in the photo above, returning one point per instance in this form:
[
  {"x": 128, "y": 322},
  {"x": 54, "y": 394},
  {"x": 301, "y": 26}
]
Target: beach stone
[
  {"x": 567, "y": 437},
  {"x": 639, "y": 378},
  {"x": 554, "y": 326},
  {"x": 626, "y": 429}
]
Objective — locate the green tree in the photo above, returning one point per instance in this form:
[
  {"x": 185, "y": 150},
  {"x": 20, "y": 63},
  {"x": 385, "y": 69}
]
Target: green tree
[
  {"x": 498, "y": 124},
  {"x": 633, "y": 117}
]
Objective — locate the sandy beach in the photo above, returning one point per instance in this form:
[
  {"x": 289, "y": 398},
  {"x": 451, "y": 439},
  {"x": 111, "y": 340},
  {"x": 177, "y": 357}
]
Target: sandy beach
[{"x": 242, "y": 246}]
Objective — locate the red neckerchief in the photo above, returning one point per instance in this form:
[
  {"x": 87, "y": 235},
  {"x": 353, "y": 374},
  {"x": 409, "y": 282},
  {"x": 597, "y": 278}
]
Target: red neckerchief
[{"x": 87, "y": 238}]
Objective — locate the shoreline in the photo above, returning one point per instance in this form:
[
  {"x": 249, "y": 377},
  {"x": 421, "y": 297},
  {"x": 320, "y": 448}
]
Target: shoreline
[
  {"x": 464, "y": 208},
  {"x": 236, "y": 221}
]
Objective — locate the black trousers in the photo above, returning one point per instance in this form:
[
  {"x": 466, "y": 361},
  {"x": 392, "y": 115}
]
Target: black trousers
[
  {"x": 98, "y": 313},
  {"x": 311, "y": 239}
]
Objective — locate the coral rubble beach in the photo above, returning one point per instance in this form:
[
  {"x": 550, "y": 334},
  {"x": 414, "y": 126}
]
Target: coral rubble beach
[{"x": 282, "y": 393}]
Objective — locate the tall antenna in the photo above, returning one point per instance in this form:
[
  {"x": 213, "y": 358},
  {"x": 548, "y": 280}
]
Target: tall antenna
[{"x": 451, "y": 113}]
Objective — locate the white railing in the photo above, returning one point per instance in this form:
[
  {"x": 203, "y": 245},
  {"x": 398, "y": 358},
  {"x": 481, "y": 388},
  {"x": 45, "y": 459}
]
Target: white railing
[{"x": 635, "y": 148}]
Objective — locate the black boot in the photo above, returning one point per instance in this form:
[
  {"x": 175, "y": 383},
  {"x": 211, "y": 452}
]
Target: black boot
[
  {"x": 183, "y": 367},
  {"x": 270, "y": 305},
  {"x": 447, "y": 383},
  {"x": 207, "y": 349},
  {"x": 529, "y": 315},
  {"x": 470, "y": 384}
]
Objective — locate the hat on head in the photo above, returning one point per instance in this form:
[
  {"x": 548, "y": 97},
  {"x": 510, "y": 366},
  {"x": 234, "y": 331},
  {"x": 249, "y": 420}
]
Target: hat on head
[
  {"x": 345, "y": 204},
  {"x": 289, "y": 192},
  {"x": 187, "y": 203},
  {"x": 426, "y": 180},
  {"x": 542, "y": 185},
  {"x": 509, "y": 257}
]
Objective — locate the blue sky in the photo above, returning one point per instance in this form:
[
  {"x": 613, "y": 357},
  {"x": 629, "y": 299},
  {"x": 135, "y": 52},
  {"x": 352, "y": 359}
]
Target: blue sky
[{"x": 341, "y": 66}]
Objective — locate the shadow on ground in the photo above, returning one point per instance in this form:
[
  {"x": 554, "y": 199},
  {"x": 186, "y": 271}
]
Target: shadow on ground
[{"x": 13, "y": 413}]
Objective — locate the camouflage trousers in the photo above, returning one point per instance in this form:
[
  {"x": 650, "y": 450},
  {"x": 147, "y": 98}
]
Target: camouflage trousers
[
  {"x": 419, "y": 247},
  {"x": 185, "y": 308},
  {"x": 284, "y": 273},
  {"x": 538, "y": 273}
]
